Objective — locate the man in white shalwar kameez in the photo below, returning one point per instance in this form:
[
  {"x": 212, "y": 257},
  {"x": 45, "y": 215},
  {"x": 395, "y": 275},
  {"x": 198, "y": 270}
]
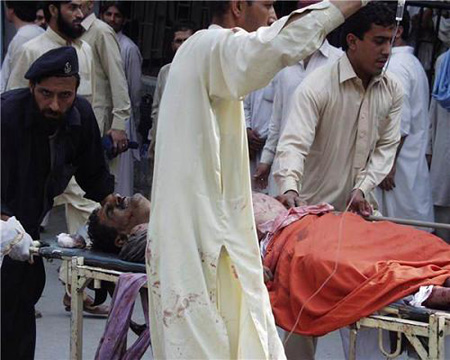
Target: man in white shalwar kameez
[
  {"x": 439, "y": 151},
  {"x": 406, "y": 191},
  {"x": 207, "y": 296}
]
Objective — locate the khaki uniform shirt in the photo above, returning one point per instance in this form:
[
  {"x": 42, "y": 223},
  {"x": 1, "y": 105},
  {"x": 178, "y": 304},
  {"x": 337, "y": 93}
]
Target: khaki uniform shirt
[
  {"x": 338, "y": 135},
  {"x": 111, "y": 103},
  {"x": 202, "y": 180},
  {"x": 38, "y": 46}
]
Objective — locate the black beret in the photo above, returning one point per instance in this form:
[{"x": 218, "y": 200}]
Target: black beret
[{"x": 62, "y": 61}]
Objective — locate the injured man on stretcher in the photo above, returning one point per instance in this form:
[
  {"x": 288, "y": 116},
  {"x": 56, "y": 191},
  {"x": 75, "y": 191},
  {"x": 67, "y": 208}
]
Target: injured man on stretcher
[{"x": 376, "y": 263}]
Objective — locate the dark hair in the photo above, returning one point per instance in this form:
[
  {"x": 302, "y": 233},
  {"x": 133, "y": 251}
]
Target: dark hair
[
  {"x": 24, "y": 10},
  {"x": 122, "y": 6},
  {"x": 183, "y": 26},
  {"x": 102, "y": 236},
  {"x": 47, "y": 4},
  {"x": 405, "y": 24},
  {"x": 358, "y": 24},
  {"x": 39, "y": 79},
  {"x": 40, "y": 6},
  {"x": 219, "y": 8}
]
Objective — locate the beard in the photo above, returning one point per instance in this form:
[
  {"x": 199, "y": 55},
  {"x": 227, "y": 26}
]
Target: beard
[
  {"x": 50, "y": 120},
  {"x": 69, "y": 29}
]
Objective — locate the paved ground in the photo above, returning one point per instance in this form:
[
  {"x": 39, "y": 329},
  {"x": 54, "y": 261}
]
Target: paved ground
[{"x": 53, "y": 329}]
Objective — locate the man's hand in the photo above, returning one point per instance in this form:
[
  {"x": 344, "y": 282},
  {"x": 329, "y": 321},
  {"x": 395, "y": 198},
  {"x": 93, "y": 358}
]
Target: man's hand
[
  {"x": 255, "y": 143},
  {"x": 290, "y": 199},
  {"x": 261, "y": 175},
  {"x": 119, "y": 139},
  {"x": 388, "y": 183},
  {"x": 359, "y": 204}
]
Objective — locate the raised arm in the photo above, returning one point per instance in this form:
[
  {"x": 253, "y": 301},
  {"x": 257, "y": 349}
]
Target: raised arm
[{"x": 242, "y": 62}]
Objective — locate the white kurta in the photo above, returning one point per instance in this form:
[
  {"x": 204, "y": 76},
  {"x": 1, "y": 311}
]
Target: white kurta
[
  {"x": 207, "y": 296},
  {"x": 132, "y": 63},
  {"x": 24, "y": 34},
  {"x": 284, "y": 85},
  {"x": 411, "y": 197},
  {"x": 439, "y": 147},
  {"x": 258, "y": 110}
]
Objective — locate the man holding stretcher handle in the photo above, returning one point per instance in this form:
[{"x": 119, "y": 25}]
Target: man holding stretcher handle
[{"x": 48, "y": 134}]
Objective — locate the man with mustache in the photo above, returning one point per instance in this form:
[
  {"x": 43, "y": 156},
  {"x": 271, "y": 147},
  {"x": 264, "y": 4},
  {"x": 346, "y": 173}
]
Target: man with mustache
[
  {"x": 210, "y": 255},
  {"x": 48, "y": 135},
  {"x": 342, "y": 132},
  {"x": 64, "y": 29}
]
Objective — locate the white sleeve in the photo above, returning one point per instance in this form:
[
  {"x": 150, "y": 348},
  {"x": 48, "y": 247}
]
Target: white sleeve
[{"x": 240, "y": 62}]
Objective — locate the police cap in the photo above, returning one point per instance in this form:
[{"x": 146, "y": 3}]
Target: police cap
[{"x": 62, "y": 61}]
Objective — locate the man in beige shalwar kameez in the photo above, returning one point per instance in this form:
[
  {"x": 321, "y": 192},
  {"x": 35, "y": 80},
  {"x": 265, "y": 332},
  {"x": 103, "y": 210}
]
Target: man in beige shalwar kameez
[{"x": 207, "y": 296}]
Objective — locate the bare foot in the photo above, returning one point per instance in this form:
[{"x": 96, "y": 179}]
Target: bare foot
[{"x": 439, "y": 298}]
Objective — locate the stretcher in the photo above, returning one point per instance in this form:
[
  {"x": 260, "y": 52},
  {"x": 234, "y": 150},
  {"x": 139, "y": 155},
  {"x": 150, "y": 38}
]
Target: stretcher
[
  {"x": 86, "y": 267},
  {"x": 424, "y": 329}
]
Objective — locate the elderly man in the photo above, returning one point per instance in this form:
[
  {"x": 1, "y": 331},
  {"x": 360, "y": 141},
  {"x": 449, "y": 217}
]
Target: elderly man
[
  {"x": 206, "y": 267},
  {"x": 111, "y": 104},
  {"x": 48, "y": 135},
  {"x": 22, "y": 15},
  {"x": 114, "y": 13}
]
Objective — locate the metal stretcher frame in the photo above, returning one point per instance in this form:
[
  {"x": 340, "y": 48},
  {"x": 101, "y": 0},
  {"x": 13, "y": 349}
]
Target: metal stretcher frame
[
  {"x": 81, "y": 276},
  {"x": 431, "y": 326},
  {"x": 85, "y": 267}
]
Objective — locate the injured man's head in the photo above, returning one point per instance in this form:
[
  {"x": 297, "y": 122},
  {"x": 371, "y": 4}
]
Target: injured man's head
[
  {"x": 111, "y": 225},
  {"x": 120, "y": 225}
]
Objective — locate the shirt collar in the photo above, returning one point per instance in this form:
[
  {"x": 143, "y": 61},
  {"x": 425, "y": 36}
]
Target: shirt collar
[
  {"x": 403, "y": 49},
  {"x": 214, "y": 27},
  {"x": 346, "y": 71},
  {"x": 325, "y": 49},
  {"x": 87, "y": 23},
  {"x": 59, "y": 39}
]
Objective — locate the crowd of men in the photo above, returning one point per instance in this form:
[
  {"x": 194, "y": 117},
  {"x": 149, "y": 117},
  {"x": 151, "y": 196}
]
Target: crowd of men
[{"x": 352, "y": 127}]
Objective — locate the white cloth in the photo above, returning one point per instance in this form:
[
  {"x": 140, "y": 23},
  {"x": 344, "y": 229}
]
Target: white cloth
[
  {"x": 14, "y": 240},
  {"x": 132, "y": 63},
  {"x": 439, "y": 147},
  {"x": 411, "y": 197},
  {"x": 24, "y": 34},
  {"x": 202, "y": 180},
  {"x": 258, "y": 110},
  {"x": 284, "y": 85}
]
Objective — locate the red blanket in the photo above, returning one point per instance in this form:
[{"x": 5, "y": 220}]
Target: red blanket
[{"x": 378, "y": 264}]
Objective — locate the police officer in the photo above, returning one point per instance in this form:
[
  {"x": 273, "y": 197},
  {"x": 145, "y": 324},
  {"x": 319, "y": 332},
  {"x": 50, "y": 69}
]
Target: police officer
[{"x": 48, "y": 134}]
